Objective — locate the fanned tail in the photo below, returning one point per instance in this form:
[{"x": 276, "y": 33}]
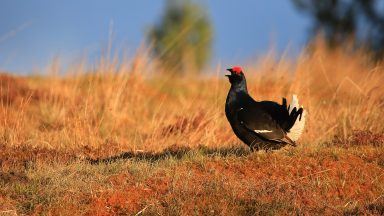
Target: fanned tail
[{"x": 297, "y": 117}]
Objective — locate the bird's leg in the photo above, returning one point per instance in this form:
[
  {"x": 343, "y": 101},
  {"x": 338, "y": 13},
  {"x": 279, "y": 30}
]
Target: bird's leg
[
  {"x": 253, "y": 147},
  {"x": 268, "y": 149}
]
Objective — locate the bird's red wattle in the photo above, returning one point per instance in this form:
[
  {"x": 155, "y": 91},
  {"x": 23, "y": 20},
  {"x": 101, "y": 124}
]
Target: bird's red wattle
[{"x": 237, "y": 69}]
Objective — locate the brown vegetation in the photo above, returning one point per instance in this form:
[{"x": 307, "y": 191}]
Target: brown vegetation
[{"x": 121, "y": 141}]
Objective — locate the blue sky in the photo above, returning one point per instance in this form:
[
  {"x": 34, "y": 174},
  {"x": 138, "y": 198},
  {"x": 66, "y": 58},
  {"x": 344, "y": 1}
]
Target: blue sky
[{"x": 32, "y": 33}]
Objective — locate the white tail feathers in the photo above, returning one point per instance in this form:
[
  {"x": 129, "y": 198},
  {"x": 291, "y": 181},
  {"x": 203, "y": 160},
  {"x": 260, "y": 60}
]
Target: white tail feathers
[{"x": 298, "y": 128}]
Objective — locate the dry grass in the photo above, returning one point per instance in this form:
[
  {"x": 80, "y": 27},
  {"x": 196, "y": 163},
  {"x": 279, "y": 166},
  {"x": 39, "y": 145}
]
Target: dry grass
[{"x": 122, "y": 140}]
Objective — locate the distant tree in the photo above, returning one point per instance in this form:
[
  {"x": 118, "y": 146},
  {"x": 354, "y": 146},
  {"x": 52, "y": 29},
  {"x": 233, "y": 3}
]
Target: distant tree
[
  {"x": 361, "y": 21},
  {"x": 182, "y": 40}
]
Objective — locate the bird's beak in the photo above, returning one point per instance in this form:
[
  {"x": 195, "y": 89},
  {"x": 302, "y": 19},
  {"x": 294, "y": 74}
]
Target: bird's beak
[{"x": 230, "y": 70}]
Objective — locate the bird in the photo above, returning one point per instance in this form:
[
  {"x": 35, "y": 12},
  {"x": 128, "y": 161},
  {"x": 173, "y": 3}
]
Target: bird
[{"x": 263, "y": 125}]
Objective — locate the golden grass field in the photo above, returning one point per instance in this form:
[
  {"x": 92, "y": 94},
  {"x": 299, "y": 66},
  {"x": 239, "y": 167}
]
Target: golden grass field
[{"x": 126, "y": 139}]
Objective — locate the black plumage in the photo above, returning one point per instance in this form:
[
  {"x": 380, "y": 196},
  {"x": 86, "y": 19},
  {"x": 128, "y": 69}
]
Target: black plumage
[{"x": 260, "y": 125}]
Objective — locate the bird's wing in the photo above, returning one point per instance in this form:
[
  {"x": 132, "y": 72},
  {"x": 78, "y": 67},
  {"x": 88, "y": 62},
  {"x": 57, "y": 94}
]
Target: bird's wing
[
  {"x": 278, "y": 112},
  {"x": 262, "y": 124}
]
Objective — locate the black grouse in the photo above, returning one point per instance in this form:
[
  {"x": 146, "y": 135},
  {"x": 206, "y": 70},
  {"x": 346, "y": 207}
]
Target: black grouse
[{"x": 265, "y": 124}]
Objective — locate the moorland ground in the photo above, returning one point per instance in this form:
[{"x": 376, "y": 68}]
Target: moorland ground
[{"x": 125, "y": 139}]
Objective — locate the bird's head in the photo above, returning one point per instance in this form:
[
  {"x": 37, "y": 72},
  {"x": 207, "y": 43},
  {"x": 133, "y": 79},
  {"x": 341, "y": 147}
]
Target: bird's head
[{"x": 236, "y": 76}]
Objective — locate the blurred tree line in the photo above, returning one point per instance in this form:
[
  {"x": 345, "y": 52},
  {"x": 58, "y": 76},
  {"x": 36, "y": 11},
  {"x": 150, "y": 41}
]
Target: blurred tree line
[
  {"x": 344, "y": 21},
  {"x": 182, "y": 40}
]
